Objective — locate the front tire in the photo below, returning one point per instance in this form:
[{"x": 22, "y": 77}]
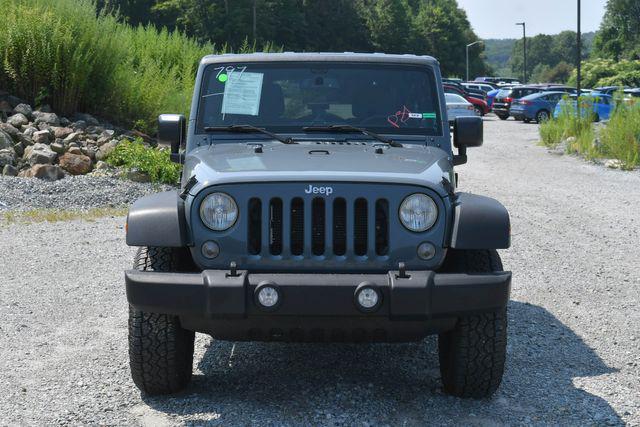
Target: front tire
[
  {"x": 472, "y": 355},
  {"x": 160, "y": 350}
]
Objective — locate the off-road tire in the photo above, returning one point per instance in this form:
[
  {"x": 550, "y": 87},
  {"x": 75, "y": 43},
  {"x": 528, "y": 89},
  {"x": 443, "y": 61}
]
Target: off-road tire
[
  {"x": 160, "y": 350},
  {"x": 472, "y": 355}
]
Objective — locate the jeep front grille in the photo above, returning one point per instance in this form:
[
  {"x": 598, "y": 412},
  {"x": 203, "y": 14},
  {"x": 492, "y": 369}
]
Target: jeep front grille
[{"x": 322, "y": 227}]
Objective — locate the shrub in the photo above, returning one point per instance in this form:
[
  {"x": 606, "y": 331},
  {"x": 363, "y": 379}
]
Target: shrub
[
  {"x": 620, "y": 139},
  {"x": 155, "y": 162}
]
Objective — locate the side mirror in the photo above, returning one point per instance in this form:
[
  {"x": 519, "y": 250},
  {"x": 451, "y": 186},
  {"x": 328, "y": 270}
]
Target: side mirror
[
  {"x": 171, "y": 131},
  {"x": 467, "y": 132}
]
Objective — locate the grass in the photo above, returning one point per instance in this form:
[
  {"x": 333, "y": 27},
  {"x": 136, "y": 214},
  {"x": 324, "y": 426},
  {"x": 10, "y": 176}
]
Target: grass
[
  {"x": 57, "y": 215},
  {"x": 61, "y": 53},
  {"x": 155, "y": 162},
  {"x": 618, "y": 139}
]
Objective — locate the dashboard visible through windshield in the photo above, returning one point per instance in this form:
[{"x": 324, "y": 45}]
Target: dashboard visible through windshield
[{"x": 286, "y": 97}]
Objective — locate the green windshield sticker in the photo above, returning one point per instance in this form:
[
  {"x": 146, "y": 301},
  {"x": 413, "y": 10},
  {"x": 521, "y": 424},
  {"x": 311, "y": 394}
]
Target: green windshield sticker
[
  {"x": 222, "y": 78},
  {"x": 428, "y": 115}
]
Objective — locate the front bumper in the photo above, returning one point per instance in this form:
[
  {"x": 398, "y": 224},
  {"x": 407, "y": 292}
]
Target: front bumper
[{"x": 224, "y": 305}]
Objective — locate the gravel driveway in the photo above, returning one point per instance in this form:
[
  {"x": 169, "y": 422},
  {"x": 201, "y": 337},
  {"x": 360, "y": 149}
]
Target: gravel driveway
[{"x": 574, "y": 337}]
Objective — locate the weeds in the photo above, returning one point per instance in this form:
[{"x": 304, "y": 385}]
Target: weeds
[
  {"x": 61, "y": 53},
  {"x": 155, "y": 162},
  {"x": 618, "y": 139},
  {"x": 57, "y": 215}
]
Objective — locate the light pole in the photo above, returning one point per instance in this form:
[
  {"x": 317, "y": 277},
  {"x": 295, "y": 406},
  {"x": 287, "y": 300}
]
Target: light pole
[
  {"x": 468, "y": 46},
  {"x": 524, "y": 41},
  {"x": 579, "y": 43}
]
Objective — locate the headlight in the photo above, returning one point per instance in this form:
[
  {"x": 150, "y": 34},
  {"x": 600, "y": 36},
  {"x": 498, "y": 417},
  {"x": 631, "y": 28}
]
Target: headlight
[
  {"x": 218, "y": 211},
  {"x": 418, "y": 212}
]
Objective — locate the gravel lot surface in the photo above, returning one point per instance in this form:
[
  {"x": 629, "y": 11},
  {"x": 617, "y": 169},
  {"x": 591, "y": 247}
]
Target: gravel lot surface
[
  {"x": 574, "y": 341},
  {"x": 71, "y": 192}
]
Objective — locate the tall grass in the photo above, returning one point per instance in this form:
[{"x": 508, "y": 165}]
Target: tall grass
[
  {"x": 618, "y": 139},
  {"x": 62, "y": 53}
]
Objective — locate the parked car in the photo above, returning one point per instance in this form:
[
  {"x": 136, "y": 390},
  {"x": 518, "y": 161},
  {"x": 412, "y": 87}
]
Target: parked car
[
  {"x": 601, "y": 105},
  {"x": 457, "y": 106},
  {"x": 537, "y": 106},
  {"x": 476, "y": 93},
  {"x": 497, "y": 80},
  {"x": 491, "y": 95},
  {"x": 610, "y": 90},
  {"x": 632, "y": 93},
  {"x": 484, "y": 87},
  {"x": 342, "y": 225},
  {"x": 502, "y": 103},
  {"x": 480, "y": 105}
]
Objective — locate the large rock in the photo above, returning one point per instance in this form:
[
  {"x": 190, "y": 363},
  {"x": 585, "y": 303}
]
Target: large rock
[
  {"x": 18, "y": 120},
  {"x": 105, "y": 150},
  {"x": 5, "y": 140},
  {"x": 11, "y": 131},
  {"x": 5, "y": 107},
  {"x": 46, "y": 172},
  {"x": 75, "y": 164},
  {"x": 7, "y": 157},
  {"x": 41, "y": 137},
  {"x": 48, "y": 118},
  {"x": 72, "y": 137},
  {"x": 87, "y": 118},
  {"x": 24, "y": 109},
  {"x": 39, "y": 154},
  {"x": 9, "y": 170},
  {"x": 62, "y": 133},
  {"x": 57, "y": 147}
]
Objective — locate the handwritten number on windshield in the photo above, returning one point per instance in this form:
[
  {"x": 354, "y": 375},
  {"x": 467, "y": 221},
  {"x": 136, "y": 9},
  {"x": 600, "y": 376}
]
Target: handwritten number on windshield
[
  {"x": 230, "y": 70},
  {"x": 399, "y": 118}
]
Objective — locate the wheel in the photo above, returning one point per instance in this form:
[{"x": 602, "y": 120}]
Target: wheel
[
  {"x": 478, "y": 110},
  {"x": 160, "y": 350},
  {"x": 542, "y": 116},
  {"x": 472, "y": 355},
  {"x": 503, "y": 117},
  {"x": 526, "y": 120}
]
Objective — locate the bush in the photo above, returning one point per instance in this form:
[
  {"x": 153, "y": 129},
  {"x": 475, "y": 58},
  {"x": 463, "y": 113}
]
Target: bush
[
  {"x": 607, "y": 72},
  {"x": 62, "y": 53},
  {"x": 155, "y": 162},
  {"x": 620, "y": 139}
]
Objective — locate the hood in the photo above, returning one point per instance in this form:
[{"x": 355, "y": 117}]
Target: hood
[{"x": 309, "y": 161}]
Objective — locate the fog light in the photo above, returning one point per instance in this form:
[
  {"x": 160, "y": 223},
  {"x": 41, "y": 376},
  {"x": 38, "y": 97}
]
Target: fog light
[
  {"x": 426, "y": 250},
  {"x": 268, "y": 296},
  {"x": 210, "y": 249},
  {"x": 368, "y": 298}
]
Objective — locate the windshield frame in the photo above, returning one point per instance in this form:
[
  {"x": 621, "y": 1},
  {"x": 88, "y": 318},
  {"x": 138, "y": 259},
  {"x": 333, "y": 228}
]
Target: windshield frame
[{"x": 433, "y": 76}]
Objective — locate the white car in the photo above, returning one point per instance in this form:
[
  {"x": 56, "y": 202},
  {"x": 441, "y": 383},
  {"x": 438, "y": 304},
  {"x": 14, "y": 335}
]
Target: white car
[{"x": 457, "y": 106}]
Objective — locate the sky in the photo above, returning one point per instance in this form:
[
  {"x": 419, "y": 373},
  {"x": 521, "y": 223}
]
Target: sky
[{"x": 495, "y": 19}]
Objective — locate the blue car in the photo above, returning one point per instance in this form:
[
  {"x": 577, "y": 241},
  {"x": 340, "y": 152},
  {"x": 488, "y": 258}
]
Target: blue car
[
  {"x": 537, "y": 106},
  {"x": 491, "y": 95},
  {"x": 601, "y": 105}
]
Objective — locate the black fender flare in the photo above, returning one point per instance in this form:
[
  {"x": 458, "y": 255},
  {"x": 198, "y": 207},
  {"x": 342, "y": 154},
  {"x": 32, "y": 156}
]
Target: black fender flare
[
  {"x": 479, "y": 222},
  {"x": 157, "y": 220}
]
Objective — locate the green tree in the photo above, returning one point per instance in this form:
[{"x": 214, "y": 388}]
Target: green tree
[
  {"x": 389, "y": 25},
  {"x": 619, "y": 33},
  {"x": 442, "y": 30},
  {"x": 334, "y": 25}
]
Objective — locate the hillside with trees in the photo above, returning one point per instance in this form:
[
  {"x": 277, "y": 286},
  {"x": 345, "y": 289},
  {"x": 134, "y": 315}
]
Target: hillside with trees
[{"x": 437, "y": 27}]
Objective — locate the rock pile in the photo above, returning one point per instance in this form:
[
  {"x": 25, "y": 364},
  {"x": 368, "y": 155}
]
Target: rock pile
[{"x": 41, "y": 144}]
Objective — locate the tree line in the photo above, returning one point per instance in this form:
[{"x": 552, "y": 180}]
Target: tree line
[{"x": 432, "y": 27}]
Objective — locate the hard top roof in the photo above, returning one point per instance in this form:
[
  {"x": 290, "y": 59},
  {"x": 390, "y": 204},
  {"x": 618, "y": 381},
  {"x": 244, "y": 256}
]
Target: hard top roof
[{"x": 320, "y": 57}]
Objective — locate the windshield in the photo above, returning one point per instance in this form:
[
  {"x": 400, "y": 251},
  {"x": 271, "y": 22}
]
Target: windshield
[{"x": 285, "y": 97}]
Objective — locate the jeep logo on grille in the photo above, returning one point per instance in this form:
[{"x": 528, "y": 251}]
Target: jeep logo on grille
[{"x": 327, "y": 191}]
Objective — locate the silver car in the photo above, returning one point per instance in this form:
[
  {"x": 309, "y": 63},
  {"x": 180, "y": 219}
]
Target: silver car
[{"x": 457, "y": 106}]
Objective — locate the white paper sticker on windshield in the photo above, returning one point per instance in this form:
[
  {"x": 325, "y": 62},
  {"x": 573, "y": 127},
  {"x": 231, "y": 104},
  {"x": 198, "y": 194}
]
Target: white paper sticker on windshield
[{"x": 242, "y": 92}]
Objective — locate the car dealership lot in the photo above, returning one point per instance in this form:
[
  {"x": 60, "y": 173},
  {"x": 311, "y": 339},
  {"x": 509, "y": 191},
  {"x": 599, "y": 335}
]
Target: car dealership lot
[{"x": 573, "y": 351}]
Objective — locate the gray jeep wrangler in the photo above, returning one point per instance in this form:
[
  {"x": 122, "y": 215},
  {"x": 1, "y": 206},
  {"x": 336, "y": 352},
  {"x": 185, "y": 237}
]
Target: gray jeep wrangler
[{"x": 318, "y": 203}]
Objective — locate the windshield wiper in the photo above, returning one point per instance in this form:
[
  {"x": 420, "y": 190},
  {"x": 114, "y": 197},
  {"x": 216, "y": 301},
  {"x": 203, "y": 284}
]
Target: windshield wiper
[
  {"x": 249, "y": 129},
  {"x": 349, "y": 128}
]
